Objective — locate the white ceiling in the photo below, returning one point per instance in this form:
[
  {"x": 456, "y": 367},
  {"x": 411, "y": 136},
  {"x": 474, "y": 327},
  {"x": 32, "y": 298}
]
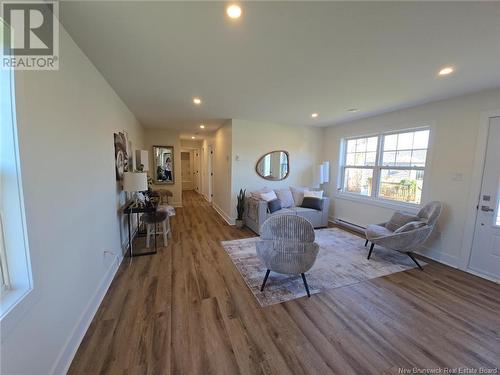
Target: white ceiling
[{"x": 284, "y": 60}]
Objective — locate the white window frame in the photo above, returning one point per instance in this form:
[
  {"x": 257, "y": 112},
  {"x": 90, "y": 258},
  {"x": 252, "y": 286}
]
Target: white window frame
[{"x": 374, "y": 198}]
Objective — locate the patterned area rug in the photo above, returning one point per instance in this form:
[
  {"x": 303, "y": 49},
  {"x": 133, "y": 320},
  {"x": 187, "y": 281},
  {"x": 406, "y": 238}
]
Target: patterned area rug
[{"x": 341, "y": 261}]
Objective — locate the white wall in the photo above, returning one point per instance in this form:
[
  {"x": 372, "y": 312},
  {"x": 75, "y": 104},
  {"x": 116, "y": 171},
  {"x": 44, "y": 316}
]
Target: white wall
[
  {"x": 166, "y": 137},
  {"x": 251, "y": 140},
  {"x": 222, "y": 144},
  {"x": 455, "y": 125},
  {"x": 66, "y": 120}
]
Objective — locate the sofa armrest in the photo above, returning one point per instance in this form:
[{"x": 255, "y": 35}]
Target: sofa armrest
[{"x": 325, "y": 209}]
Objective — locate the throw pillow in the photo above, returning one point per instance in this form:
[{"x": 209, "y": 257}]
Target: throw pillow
[
  {"x": 285, "y": 196},
  {"x": 298, "y": 194},
  {"x": 399, "y": 219},
  {"x": 268, "y": 196},
  {"x": 313, "y": 194},
  {"x": 412, "y": 225},
  {"x": 274, "y": 205},
  {"x": 312, "y": 202},
  {"x": 256, "y": 194}
]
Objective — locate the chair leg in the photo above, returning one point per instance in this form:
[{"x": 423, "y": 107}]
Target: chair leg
[
  {"x": 165, "y": 233},
  {"x": 413, "y": 258},
  {"x": 366, "y": 243},
  {"x": 265, "y": 280},
  {"x": 305, "y": 284},
  {"x": 148, "y": 226},
  {"x": 371, "y": 249}
]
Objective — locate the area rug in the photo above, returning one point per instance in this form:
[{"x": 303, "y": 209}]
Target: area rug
[{"x": 341, "y": 261}]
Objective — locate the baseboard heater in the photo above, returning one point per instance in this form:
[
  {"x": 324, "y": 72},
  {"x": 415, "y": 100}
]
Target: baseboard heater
[{"x": 349, "y": 225}]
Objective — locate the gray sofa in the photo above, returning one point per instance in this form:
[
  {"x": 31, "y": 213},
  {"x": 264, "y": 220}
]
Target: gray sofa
[{"x": 256, "y": 213}]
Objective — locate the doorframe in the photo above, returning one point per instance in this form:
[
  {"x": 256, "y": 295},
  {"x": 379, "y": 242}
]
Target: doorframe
[{"x": 475, "y": 192}]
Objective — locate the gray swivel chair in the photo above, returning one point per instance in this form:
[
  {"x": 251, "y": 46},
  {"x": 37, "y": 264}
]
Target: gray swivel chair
[
  {"x": 287, "y": 246},
  {"x": 404, "y": 233}
]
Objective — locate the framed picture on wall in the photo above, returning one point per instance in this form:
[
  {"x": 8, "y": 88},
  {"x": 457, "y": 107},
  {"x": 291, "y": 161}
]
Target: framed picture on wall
[{"x": 121, "y": 156}]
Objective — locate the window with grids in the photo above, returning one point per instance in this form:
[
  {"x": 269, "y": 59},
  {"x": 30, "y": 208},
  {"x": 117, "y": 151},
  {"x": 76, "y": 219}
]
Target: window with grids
[{"x": 387, "y": 166}]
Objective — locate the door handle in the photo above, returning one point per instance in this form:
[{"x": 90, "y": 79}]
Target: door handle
[{"x": 487, "y": 209}]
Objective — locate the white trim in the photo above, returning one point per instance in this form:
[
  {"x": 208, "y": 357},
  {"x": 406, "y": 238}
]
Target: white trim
[
  {"x": 378, "y": 167},
  {"x": 439, "y": 256},
  {"x": 66, "y": 355},
  {"x": 378, "y": 202},
  {"x": 483, "y": 276},
  {"x": 228, "y": 219},
  {"x": 475, "y": 191}
]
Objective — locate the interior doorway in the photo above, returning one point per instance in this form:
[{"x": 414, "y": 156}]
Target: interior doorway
[
  {"x": 485, "y": 254},
  {"x": 190, "y": 169},
  {"x": 186, "y": 171}
]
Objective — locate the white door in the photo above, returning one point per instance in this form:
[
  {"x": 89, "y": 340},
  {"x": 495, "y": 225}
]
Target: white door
[
  {"x": 485, "y": 256},
  {"x": 210, "y": 173},
  {"x": 196, "y": 170}
]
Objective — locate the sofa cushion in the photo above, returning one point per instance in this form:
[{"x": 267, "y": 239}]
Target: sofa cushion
[
  {"x": 412, "y": 225},
  {"x": 399, "y": 219},
  {"x": 274, "y": 205},
  {"x": 268, "y": 196},
  {"x": 377, "y": 231},
  {"x": 298, "y": 194},
  {"x": 284, "y": 211},
  {"x": 310, "y": 202},
  {"x": 285, "y": 196}
]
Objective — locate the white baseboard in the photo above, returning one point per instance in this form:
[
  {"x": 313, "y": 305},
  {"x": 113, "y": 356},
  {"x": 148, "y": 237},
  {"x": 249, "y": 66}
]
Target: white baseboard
[
  {"x": 228, "y": 219},
  {"x": 439, "y": 257},
  {"x": 65, "y": 357}
]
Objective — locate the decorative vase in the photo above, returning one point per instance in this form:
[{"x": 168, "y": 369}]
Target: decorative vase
[{"x": 239, "y": 224}]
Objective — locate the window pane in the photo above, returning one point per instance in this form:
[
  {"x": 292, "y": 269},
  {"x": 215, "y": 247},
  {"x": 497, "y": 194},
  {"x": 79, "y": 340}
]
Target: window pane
[
  {"x": 421, "y": 139},
  {"x": 418, "y": 158},
  {"x": 401, "y": 185},
  {"x": 370, "y": 158},
  {"x": 405, "y": 141},
  {"x": 389, "y": 158},
  {"x": 403, "y": 158},
  {"x": 372, "y": 144},
  {"x": 361, "y": 145},
  {"x": 360, "y": 159},
  {"x": 358, "y": 180},
  {"x": 351, "y": 145},
  {"x": 390, "y": 142},
  {"x": 349, "y": 159}
]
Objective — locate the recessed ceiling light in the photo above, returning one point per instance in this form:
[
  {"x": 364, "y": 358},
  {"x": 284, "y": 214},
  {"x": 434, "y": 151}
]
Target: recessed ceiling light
[
  {"x": 314, "y": 115},
  {"x": 446, "y": 70},
  {"x": 352, "y": 110},
  {"x": 233, "y": 11},
  {"x": 202, "y": 126},
  {"x": 196, "y": 100},
  {"x": 193, "y": 137}
]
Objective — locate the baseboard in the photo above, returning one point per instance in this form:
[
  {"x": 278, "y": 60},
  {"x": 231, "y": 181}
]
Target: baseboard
[
  {"x": 65, "y": 357},
  {"x": 177, "y": 204},
  {"x": 439, "y": 257},
  {"x": 222, "y": 214}
]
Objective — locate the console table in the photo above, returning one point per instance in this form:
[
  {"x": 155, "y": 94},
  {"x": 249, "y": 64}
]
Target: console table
[{"x": 133, "y": 208}]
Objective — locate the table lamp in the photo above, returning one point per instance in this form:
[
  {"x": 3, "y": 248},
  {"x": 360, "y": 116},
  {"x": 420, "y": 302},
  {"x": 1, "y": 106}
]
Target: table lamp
[{"x": 134, "y": 182}]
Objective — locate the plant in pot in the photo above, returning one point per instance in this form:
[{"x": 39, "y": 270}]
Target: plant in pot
[{"x": 240, "y": 208}]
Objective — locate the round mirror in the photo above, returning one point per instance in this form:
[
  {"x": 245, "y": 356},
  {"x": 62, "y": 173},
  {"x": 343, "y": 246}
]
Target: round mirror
[{"x": 273, "y": 165}]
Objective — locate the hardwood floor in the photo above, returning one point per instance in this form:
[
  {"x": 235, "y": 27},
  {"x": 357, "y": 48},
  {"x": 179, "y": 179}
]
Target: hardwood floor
[{"x": 187, "y": 310}]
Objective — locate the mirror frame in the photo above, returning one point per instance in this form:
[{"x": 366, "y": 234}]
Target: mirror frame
[
  {"x": 273, "y": 178},
  {"x": 156, "y": 182}
]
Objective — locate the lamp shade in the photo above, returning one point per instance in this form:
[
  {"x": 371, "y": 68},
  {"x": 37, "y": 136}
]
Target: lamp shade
[
  {"x": 135, "y": 181},
  {"x": 326, "y": 171}
]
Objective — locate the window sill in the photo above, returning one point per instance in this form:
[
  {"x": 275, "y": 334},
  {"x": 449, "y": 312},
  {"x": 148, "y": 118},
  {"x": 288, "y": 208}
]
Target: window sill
[
  {"x": 378, "y": 202},
  {"x": 10, "y": 299}
]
